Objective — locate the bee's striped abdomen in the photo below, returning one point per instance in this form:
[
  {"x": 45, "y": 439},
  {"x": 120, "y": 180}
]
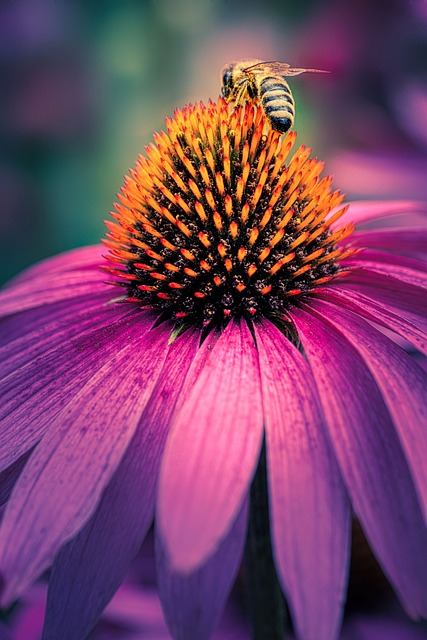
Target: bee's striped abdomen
[{"x": 277, "y": 102}]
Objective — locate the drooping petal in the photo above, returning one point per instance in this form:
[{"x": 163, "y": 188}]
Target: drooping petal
[
  {"x": 74, "y": 260},
  {"x": 194, "y": 602},
  {"x": 402, "y": 382},
  {"x": 52, "y": 288},
  {"x": 370, "y": 456},
  {"x": 211, "y": 452},
  {"x": 16, "y": 325},
  {"x": 399, "y": 268},
  {"x": 378, "y": 313},
  {"x": 362, "y": 212},
  {"x": 62, "y": 483},
  {"x": 89, "y": 569},
  {"x": 27, "y": 335},
  {"x": 197, "y": 366},
  {"x": 402, "y": 240},
  {"x": 309, "y": 505},
  {"x": 9, "y": 476},
  {"x": 385, "y": 257},
  {"x": 411, "y": 300},
  {"x": 34, "y": 394}
]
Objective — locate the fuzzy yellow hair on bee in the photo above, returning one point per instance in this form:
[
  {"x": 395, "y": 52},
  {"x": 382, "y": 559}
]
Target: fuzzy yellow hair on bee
[{"x": 265, "y": 84}]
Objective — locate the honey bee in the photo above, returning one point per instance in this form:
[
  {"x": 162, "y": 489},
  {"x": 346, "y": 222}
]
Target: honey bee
[{"x": 264, "y": 83}]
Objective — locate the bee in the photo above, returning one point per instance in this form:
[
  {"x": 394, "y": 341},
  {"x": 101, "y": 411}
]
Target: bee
[{"x": 265, "y": 84}]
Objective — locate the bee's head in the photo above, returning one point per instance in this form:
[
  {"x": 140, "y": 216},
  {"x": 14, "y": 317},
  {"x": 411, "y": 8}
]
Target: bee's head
[{"x": 227, "y": 81}]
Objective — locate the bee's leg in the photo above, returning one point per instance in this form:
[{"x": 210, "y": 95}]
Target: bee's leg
[{"x": 241, "y": 95}]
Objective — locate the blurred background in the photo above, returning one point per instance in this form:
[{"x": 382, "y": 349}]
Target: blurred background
[{"x": 85, "y": 83}]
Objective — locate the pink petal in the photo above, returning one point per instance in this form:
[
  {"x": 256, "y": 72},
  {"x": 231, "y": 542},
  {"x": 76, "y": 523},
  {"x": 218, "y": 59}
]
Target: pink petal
[
  {"x": 62, "y": 483},
  {"x": 211, "y": 452},
  {"x": 402, "y": 383},
  {"x": 31, "y": 333},
  {"x": 194, "y": 602},
  {"x": 383, "y": 257},
  {"x": 84, "y": 257},
  {"x": 22, "y": 323},
  {"x": 411, "y": 300},
  {"x": 408, "y": 241},
  {"x": 90, "y": 568},
  {"x": 9, "y": 477},
  {"x": 309, "y": 506},
  {"x": 378, "y": 313},
  {"x": 51, "y": 288},
  {"x": 33, "y": 395},
  {"x": 370, "y": 457},
  {"x": 362, "y": 212},
  {"x": 396, "y": 267}
]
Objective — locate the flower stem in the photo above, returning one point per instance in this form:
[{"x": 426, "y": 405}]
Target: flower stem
[{"x": 266, "y": 601}]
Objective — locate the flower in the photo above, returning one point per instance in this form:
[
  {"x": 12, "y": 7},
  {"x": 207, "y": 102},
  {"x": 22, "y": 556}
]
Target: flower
[{"x": 244, "y": 305}]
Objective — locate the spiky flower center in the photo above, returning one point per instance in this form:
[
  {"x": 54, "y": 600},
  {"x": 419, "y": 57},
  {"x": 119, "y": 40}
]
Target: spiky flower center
[{"x": 216, "y": 222}]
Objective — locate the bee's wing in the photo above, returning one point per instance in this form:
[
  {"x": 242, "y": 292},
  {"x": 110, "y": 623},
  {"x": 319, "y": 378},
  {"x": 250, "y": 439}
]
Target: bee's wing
[
  {"x": 276, "y": 67},
  {"x": 282, "y": 68},
  {"x": 296, "y": 72}
]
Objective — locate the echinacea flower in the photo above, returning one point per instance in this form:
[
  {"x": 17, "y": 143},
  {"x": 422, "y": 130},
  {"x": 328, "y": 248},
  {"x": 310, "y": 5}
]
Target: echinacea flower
[{"x": 245, "y": 307}]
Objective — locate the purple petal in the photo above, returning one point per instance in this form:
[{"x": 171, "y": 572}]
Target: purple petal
[
  {"x": 408, "y": 241},
  {"x": 369, "y": 453},
  {"x": 9, "y": 477},
  {"x": 388, "y": 290},
  {"x": 402, "y": 383},
  {"x": 62, "y": 483},
  {"x": 34, "y": 394},
  {"x": 90, "y": 568},
  {"x": 383, "y": 257},
  {"x": 84, "y": 257},
  {"x": 17, "y": 325},
  {"x": 396, "y": 267},
  {"x": 211, "y": 452},
  {"x": 196, "y": 367},
  {"x": 31, "y": 333},
  {"x": 362, "y": 212},
  {"x": 194, "y": 602},
  {"x": 52, "y": 288},
  {"x": 378, "y": 313},
  {"x": 309, "y": 506}
]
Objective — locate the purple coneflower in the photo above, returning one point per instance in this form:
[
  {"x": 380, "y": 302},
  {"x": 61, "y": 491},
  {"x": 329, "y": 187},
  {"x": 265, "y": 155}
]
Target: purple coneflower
[{"x": 245, "y": 310}]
